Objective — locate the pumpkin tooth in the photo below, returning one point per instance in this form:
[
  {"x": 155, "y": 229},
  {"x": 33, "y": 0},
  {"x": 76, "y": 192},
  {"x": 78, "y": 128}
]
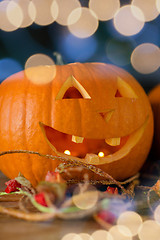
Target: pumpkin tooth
[
  {"x": 77, "y": 139},
  {"x": 92, "y": 158},
  {"x": 113, "y": 141}
]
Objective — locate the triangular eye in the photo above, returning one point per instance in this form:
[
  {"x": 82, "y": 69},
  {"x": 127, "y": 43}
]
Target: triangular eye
[
  {"x": 118, "y": 94},
  {"x": 124, "y": 89},
  {"x": 71, "y": 88},
  {"x": 71, "y": 93}
]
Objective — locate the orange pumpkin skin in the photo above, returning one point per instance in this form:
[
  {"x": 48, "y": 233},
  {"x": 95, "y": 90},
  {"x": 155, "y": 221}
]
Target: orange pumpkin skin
[
  {"x": 24, "y": 104},
  {"x": 154, "y": 97}
]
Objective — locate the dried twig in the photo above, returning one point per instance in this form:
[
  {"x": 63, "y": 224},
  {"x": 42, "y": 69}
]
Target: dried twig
[
  {"x": 27, "y": 216},
  {"x": 90, "y": 167}
]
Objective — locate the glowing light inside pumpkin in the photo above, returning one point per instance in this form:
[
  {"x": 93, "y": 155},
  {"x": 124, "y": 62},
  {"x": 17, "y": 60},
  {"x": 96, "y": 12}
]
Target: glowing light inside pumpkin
[
  {"x": 150, "y": 229},
  {"x": 82, "y": 22},
  {"x": 46, "y": 71},
  {"x": 129, "y": 20},
  {"x": 11, "y": 16},
  {"x": 67, "y": 152},
  {"x": 103, "y": 10},
  {"x": 131, "y": 220},
  {"x": 148, "y": 8},
  {"x": 101, "y": 154},
  {"x": 44, "y": 15},
  {"x": 146, "y": 58},
  {"x": 85, "y": 198},
  {"x": 101, "y": 234},
  {"x": 120, "y": 232},
  {"x": 65, "y": 8}
]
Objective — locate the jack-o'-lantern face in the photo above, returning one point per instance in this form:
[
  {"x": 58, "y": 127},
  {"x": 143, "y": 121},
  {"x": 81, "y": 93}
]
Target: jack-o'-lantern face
[
  {"x": 96, "y": 111},
  {"x": 97, "y": 120}
]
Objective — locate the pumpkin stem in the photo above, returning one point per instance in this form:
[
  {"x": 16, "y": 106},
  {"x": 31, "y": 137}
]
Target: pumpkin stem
[
  {"x": 90, "y": 167},
  {"x": 59, "y": 59}
]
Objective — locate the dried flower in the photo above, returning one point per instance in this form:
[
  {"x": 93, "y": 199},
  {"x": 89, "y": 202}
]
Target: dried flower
[{"x": 12, "y": 186}]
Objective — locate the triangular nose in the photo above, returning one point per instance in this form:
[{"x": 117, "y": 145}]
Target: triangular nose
[{"x": 107, "y": 115}]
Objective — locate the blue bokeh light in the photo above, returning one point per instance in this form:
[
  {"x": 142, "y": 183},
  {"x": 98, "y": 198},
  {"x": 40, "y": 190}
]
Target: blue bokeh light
[
  {"x": 8, "y": 66},
  {"x": 76, "y": 49}
]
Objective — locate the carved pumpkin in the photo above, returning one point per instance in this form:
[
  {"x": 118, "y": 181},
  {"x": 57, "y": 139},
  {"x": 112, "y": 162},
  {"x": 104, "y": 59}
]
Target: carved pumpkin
[
  {"x": 89, "y": 109},
  {"x": 154, "y": 97}
]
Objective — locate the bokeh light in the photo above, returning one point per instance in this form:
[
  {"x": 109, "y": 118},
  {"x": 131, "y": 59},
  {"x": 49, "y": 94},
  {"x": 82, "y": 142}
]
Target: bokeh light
[
  {"x": 104, "y": 10},
  {"x": 120, "y": 232},
  {"x": 14, "y": 13},
  {"x": 85, "y": 236},
  {"x": 78, "y": 49},
  {"x": 46, "y": 69},
  {"x": 85, "y": 199},
  {"x": 150, "y": 230},
  {"x": 131, "y": 220},
  {"x": 28, "y": 12},
  {"x": 82, "y": 22},
  {"x": 146, "y": 58},
  {"x": 65, "y": 8},
  {"x": 44, "y": 16},
  {"x": 158, "y": 5},
  {"x": 157, "y": 214},
  {"x": 148, "y": 8},
  {"x": 119, "y": 52},
  {"x": 101, "y": 234},
  {"x": 9, "y": 10},
  {"x": 129, "y": 20},
  {"x": 71, "y": 236}
]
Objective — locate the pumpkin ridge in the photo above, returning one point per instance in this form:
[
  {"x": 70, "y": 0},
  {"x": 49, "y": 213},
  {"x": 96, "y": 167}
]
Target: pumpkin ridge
[{"x": 31, "y": 172}]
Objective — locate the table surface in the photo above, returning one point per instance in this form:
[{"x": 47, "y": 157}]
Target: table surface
[{"x": 15, "y": 229}]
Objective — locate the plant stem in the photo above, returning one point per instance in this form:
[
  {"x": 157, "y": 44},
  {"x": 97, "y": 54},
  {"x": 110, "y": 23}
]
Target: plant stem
[{"x": 90, "y": 167}]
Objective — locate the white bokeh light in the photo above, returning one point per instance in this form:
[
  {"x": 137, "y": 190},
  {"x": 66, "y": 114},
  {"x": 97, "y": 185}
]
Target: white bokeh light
[
  {"x": 129, "y": 20},
  {"x": 86, "y": 199},
  {"x": 82, "y": 22},
  {"x": 148, "y": 8},
  {"x": 145, "y": 58},
  {"x": 104, "y": 10},
  {"x": 158, "y": 5},
  {"x": 150, "y": 230},
  {"x": 101, "y": 234},
  {"x": 157, "y": 214},
  {"x": 26, "y": 6},
  {"x": 44, "y": 15},
  {"x": 65, "y": 7},
  {"x": 120, "y": 232},
  {"x": 131, "y": 220},
  {"x": 71, "y": 236},
  {"x": 14, "y": 13},
  {"x": 11, "y": 16},
  {"x": 40, "y": 69}
]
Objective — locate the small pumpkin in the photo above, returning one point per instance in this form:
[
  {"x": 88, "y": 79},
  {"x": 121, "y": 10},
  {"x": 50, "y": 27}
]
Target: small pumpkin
[
  {"x": 154, "y": 97},
  {"x": 88, "y": 109}
]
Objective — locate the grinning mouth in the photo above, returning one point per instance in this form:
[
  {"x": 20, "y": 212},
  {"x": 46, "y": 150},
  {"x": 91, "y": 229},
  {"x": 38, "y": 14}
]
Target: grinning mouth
[{"x": 91, "y": 151}]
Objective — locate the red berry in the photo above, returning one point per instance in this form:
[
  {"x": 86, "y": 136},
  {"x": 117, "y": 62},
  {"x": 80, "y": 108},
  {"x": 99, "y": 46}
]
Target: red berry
[
  {"x": 40, "y": 198},
  {"x": 12, "y": 186},
  {"x": 112, "y": 190}
]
